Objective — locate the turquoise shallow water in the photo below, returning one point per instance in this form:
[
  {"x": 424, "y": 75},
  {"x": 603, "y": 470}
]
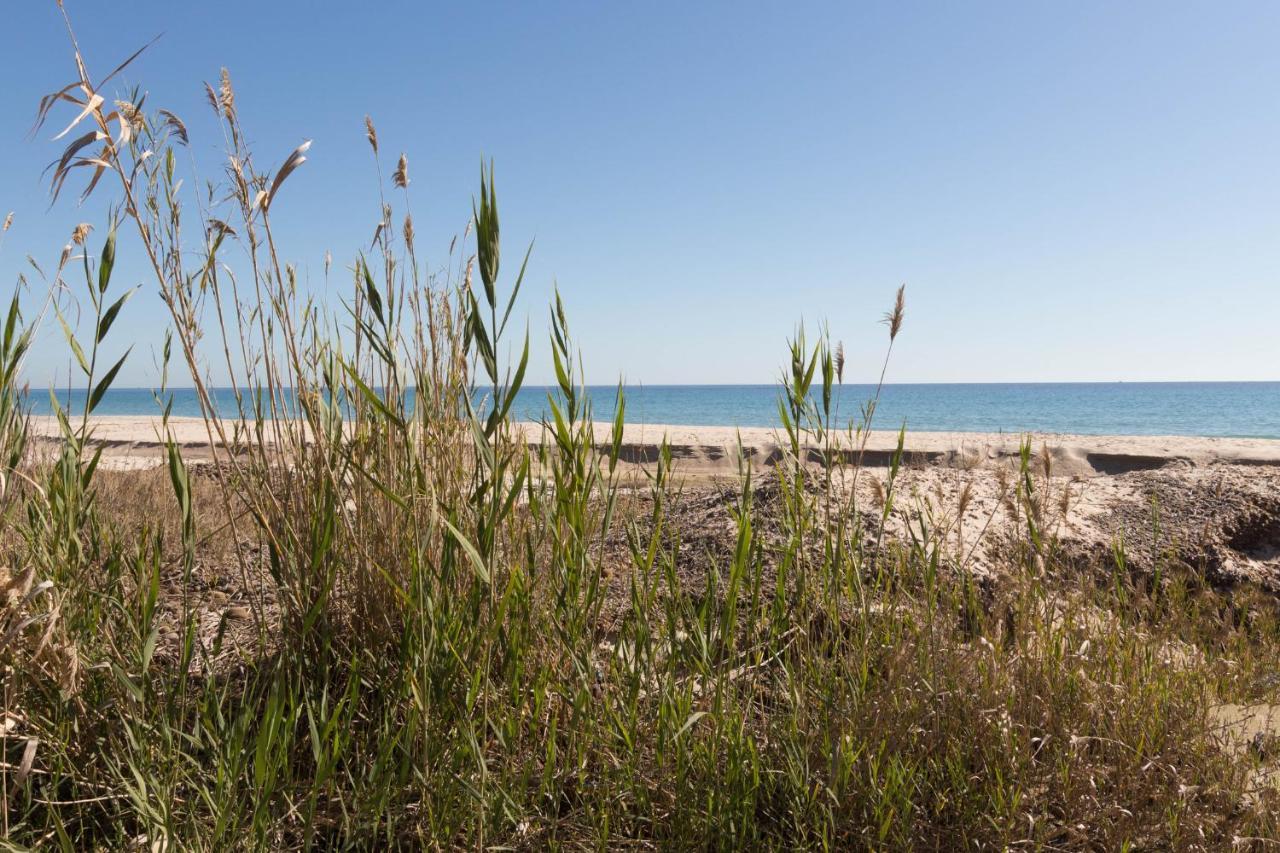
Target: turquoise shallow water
[{"x": 1127, "y": 408}]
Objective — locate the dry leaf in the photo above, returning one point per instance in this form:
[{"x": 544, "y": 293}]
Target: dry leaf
[
  {"x": 94, "y": 103},
  {"x": 296, "y": 159}
]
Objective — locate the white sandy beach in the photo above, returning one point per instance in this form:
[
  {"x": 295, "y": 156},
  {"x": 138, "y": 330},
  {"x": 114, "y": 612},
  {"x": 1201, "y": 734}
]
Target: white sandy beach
[{"x": 132, "y": 441}]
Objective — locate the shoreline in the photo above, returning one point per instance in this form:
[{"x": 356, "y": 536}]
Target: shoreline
[{"x": 712, "y": 448}]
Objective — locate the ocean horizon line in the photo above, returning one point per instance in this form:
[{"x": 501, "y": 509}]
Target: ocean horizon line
[{"x": 871, "y": 383}]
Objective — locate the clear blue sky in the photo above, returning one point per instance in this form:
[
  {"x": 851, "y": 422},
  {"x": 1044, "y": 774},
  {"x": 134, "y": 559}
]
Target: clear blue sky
[{"x": 1082, "y": 191}]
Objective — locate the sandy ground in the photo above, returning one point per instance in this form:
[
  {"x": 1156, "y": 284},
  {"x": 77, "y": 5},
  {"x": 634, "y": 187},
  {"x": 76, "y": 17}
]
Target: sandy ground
[
  {"x": 701, "y": 449},
  {"x": 1210, "y": 503}
]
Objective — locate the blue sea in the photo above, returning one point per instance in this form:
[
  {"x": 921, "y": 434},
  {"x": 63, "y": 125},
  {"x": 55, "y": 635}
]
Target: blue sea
[{"x": 1241, "y": 409}]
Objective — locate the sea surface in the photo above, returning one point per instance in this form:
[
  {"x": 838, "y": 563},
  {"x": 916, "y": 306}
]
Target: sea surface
[{"x": 1239, "y": 409}]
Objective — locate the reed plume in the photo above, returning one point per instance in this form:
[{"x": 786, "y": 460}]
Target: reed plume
[
  {"x": 893, "y": 319},
  {"x": 401, "y": 175},
  {"x": 227, "y": 96}
]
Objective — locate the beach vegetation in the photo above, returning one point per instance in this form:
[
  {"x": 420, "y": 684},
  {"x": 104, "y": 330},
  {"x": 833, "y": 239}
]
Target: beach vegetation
[{"x": 386, "y": 615}]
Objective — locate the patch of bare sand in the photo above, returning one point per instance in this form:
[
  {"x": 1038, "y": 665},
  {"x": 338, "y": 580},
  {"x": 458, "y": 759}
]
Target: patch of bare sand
[
  {"x": 1253, "y": 732},
  {"x": 711, "y": 450}
]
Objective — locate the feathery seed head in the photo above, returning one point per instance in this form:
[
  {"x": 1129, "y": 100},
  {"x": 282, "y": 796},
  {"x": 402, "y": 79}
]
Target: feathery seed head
[
  {"x": 877, "y": 489},
  {"x": 228, "y": 95},
  {"x": 130, "y": 113},
  {"x": 893, "y": 319},
  {"x": 176, "y": 125},
  {"x": 401, "y": 176}
]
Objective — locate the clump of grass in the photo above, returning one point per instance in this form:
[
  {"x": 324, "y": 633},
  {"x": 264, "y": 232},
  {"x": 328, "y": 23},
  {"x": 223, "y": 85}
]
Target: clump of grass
[{"x": 378, "y": 618}]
